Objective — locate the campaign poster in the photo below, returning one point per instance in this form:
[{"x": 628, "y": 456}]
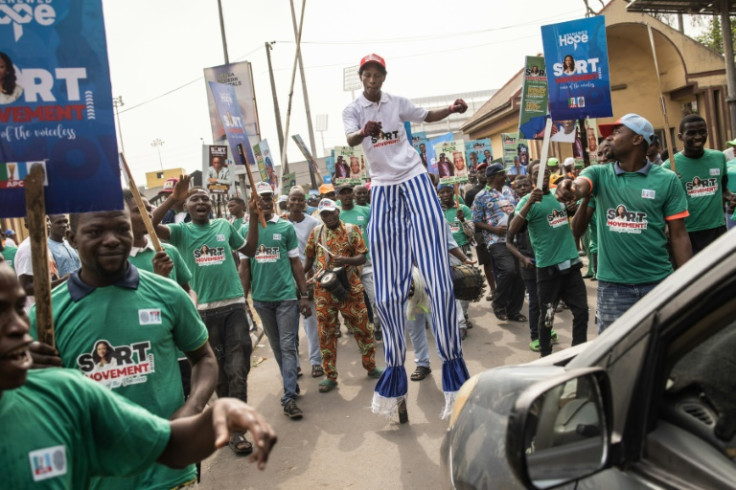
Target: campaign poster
[
  {"x": 431, "y": 155},
  {"x": 287, "y": 182},
  {"x": 478, "y": 151},
  {"x": 509, "y": 142},
  {"x": 330, "y": 165},
  {"x": 56, "y": 107},
  {"x": 564, "y": 131},
  {"x": 240, "y": 77},
  {"x": 268, "y": 164},
  {"x": 591, "y": 134},
  {"x": 578, "y": 77},
  {"x": 350, "y": 166},
  {"x": 451, "y": 165},
  {"x": 219, "y": 180},
  {"x": 420, "y": 145},
  {"x": 533, "y": 109},
  {"x": 233, "y": 123}
]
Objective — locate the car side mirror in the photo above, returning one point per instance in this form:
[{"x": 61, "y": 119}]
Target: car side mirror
[{"x": 559, "y": 429}]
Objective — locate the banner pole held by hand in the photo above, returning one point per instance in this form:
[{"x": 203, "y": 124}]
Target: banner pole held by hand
[
  {"x": 141, "y": 207},
  {"x": 545, "y": 149},
  {"x": 36, "y": 215}
]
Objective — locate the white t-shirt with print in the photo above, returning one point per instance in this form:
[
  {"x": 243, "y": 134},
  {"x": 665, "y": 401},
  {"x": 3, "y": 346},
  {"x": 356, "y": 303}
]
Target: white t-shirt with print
[{"x": 391, "y": 157}]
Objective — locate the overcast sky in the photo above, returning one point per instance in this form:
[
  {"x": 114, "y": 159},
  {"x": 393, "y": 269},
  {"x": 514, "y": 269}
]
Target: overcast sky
[{"x": 157, "y": 50}]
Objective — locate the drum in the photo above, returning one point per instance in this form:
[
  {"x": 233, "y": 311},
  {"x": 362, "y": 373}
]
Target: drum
[
  {"x": 334, "y": 281},
  {"x": 468, "y": 282}
]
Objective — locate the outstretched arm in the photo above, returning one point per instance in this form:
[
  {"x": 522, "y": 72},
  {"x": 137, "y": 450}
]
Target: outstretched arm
[{"x": 194, "y": 438}]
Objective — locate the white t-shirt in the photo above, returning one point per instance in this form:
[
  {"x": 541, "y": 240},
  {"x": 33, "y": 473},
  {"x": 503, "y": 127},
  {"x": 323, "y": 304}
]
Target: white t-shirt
[
  {"x": 303, "y": 228},
  {"x": 391, "y": 157},
  {"x": 24, "y": 266}
]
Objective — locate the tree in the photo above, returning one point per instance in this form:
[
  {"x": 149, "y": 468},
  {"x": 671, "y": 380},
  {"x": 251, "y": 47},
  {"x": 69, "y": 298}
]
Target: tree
[{"x": 712, "y": 36}]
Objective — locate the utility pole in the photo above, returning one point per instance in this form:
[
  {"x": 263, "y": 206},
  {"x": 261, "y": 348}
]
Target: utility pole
[
  {"x": 304, "y": 90},
  {"x": 118, "y": 102},
  {"x": 730, "y": 68},
  {"x": 277, "y": 111},
  {"x": 222, "y": 32},
  {"x": 158, "y": 143}
]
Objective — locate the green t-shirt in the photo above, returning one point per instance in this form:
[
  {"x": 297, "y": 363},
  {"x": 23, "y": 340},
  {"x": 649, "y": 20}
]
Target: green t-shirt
[
  {"x": 59, "y": 429},
  {"x": 702, "y": 180},
  {"x": 549, "y": 231},
  {"x": 631, "y": 210},
  {"x": 208, "y": 252},
  {"x": 731, "y": 172},
  {"x": 456, "y": 226},
  {"x": 9, "y": 255},
  {"x": 179, "y": 274},
  {"x": 271, "y": 278},
  {"x": 238, "y": 222},
  {"x": 141, "y": 328}
]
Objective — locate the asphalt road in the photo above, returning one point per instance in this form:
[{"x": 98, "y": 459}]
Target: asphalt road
[{"x": 339, "y": 443}]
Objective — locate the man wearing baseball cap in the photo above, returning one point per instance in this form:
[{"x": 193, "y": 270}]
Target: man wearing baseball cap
[
  {"x": 635, "y": 202},
  {"x": 346, "y": 249},
  {"x": 402, "y": 193},
  {"x": 491, "y": 210}
]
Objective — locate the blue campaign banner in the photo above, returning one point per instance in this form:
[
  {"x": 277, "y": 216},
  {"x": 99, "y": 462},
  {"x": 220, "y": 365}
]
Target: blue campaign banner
[
  {"x": 578, "y": 77},
  {"x": 232, "y": 121},
  {"x": 56, "y": 106}
]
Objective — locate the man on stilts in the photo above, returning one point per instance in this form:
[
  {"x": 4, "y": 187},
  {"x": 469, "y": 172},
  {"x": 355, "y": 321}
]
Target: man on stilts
[{"x": 407, "y": 228}]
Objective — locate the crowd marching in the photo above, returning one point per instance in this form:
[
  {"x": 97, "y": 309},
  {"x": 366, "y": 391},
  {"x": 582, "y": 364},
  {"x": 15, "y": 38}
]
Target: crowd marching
[{"x": 165, "y": 329}]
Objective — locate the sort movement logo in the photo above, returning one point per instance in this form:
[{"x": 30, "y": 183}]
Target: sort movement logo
[
  {"x": 622, "y": 220},
  {"x": 557, "y": 218},
  {"x": 118, "y": 365},
  {"x": 209, "y": 255},
  {"x": 701, "y": 187},
  {"x": 267, "y": 254}
]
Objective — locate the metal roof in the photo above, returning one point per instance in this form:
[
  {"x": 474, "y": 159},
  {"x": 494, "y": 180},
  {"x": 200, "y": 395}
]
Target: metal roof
[{"x": 690, "y": 7}]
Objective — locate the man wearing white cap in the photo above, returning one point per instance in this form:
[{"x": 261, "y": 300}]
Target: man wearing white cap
[
  {"x": 339, "y": 244},
  {"x": 635, "y": 202},
  {"x": 408, "y": 227}
]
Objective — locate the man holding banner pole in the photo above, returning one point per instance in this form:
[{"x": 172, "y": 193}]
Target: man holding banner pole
[{"x": 403, "y": 194}]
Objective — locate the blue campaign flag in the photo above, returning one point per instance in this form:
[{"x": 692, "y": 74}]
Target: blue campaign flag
[
  {"x": 232, "y": 121},
  {"x": 56, "y": 107},
  {"x": 578, "y": 77}
]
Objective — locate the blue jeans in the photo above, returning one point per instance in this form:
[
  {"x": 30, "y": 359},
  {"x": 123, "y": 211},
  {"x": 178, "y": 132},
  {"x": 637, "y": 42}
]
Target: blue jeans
[
  {"x": 418, "y": 336},
  {"x": 310, "y": 328},
  {"x": 230, "y": 340},
  {"x": 614, "y": 299},
  {"x": 280, "y": 321}
]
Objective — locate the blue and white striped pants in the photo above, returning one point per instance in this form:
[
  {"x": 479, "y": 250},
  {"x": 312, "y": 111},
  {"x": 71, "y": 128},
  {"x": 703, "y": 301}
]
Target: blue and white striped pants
[{"x": 407, "y": 226}]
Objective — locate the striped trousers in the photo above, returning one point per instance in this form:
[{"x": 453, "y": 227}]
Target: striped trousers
[{"x": 406, "y": 227}]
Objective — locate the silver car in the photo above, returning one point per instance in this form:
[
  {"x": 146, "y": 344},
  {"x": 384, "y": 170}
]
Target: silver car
[{"x": 650, "y": 403}]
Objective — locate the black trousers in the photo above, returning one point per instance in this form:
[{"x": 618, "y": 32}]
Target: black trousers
[
  {"x": 509, "y": 296},
  {"x": 568, "y": 285}
]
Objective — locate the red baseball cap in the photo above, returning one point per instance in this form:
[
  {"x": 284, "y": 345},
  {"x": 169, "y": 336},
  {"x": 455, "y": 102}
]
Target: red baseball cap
[{"x": 372, "y": 58}]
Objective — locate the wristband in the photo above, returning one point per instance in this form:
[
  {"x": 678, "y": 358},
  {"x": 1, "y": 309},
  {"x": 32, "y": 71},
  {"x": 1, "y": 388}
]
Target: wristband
[{"x": 304, "y": 295}]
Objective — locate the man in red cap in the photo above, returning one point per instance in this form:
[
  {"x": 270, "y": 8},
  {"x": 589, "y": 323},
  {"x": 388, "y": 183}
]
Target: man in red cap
[{"x": 408, "y": 227}]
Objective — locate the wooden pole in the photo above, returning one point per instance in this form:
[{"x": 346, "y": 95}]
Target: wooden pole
[
  {"x": 670, "y": 145},
  {"x": 545, "y": 149},
  {"x": 141, "y": 207},
  {"x": 36, "y": 216},
  {"x": 241, "y": 150}
]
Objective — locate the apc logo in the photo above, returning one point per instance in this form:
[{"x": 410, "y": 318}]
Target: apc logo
[{"x": 23, "y": 13}]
